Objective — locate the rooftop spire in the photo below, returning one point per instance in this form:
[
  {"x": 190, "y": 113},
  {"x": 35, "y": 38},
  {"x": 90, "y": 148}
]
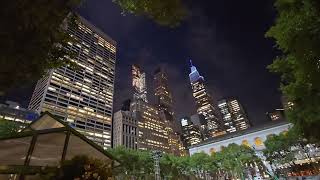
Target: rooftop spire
[{"x": 194, "y": 74}]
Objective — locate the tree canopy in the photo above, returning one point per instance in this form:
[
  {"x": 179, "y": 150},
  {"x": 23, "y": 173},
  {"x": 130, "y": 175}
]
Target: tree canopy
[
  {"x": 164, "y": 12},
  {"x": 287, "y": 148},
  {"x": 233, "y": 160},
  {"x": 236, "y": 160},
  {"x": 8, "y": 128},
  {"x": 297, "y": 34},
  {"x": 32, "y": 39}
]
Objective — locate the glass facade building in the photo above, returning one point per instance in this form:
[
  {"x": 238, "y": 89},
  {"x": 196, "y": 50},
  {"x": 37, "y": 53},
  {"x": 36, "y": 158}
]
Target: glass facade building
[
  {"x": 234, "y": 116},
  {"x": 204, "y": 104},
  {"x": 83, "y": 96},
  {"x": 11, "y": 111},
  {"x": 163, "y": 96},
  {"x": 152, "y": 134},
  {"x": 164, "y": 103},
  {"x": 190, "y": 132}
]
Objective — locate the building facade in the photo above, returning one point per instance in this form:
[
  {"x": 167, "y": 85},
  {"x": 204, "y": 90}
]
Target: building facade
[
  {"x": 164, "y": 104},
  {"x": 83, "y": 96},
  {"x": 125, "y": 130},
  {"x": 276, "y": 115},
  {"x": 152, "y": 134},
  {"x": 205, "y": 105},
  {"x": 11, "y": 111},
  {"x": 191, "y": 134},
  {"x": 199, "y": 121},
  {"x": 139, "y": 84},
  {"x": 163, "y": 96},
  {"x": 233, "y": 114},
  {"x": 253, "y": 137}
]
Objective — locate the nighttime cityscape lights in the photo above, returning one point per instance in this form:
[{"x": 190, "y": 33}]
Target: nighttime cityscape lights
[{"x": 76, "y": 104}]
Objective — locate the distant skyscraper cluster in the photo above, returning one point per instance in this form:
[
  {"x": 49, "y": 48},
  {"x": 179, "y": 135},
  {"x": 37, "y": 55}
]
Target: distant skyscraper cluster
[
  {"x": 213, "y": 118},
  {"x": 156, "y": 125}
]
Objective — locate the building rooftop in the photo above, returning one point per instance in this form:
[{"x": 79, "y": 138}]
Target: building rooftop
[
  {"x": 100, "y": 32},
  {"x": 243, "y": 132}
]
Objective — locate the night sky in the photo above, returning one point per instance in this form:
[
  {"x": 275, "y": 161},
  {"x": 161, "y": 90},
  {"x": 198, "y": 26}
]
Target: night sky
[{"x": 224, "y": 38}]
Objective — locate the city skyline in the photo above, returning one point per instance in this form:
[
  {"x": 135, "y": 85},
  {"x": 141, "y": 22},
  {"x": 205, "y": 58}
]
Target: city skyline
[
  {"x": 222, "y": 56},
  {"x": 232, "y": 55}
]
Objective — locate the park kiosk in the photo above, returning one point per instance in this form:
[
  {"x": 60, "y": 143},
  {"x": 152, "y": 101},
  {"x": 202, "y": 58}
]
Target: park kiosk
[{"x": 46, "y": 142}]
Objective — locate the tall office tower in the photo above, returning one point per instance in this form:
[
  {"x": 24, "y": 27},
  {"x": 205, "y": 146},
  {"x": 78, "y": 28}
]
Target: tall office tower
[
  {"x": 82, "y": 97},
  {"x": 125, "y": 130},
  {"x": 139, "y": 84},
  {"x": 199, "y": 120},
  {"x": 164, "y": 103},
  {"x": 204, "y": 104},
  {"x": 152, "y": 133},
  {"x": 163, "y": 96},
  {"x": 190, "y": 132},
  {"x": 234, "y": 115}
]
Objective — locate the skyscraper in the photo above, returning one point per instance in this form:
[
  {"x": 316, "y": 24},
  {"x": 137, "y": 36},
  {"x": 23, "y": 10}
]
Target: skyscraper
[
  {"x": 204, "y": 103},
  {"x": 83, "y": 96},
  {"x": 164, "y": 103},
  {"x": 152, "y": 133},
  {"x": 234, "y": 115},
  {"x": 190, "y": 132},
  {"x": 139, "y": 84},
  {"x": 163, "y": 96}
]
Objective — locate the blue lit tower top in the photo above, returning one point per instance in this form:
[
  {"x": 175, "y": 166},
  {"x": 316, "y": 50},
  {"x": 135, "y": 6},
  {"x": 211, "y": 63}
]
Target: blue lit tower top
[
  {"x": 205, "y": 104},
  {"x": 194, "y": 74}
]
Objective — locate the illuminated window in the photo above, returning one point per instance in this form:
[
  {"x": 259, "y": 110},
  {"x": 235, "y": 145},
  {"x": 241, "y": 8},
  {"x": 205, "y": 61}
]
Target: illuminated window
[
  {"x": 258, "y": 141},
  {"x": 246, "y": 143}
]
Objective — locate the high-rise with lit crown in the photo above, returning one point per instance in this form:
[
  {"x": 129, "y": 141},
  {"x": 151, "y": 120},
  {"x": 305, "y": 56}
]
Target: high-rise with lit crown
[
  {"x": 152, "y": 134},
  {"x": 84, "y": 96},
  {"x": 204, "y": 103},
  {"x": 234, "y": 116},
  {"x": 139, "y": 84}
]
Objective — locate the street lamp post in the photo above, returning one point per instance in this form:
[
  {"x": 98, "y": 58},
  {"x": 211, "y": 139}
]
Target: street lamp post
[{"x": 156, "y": 155}]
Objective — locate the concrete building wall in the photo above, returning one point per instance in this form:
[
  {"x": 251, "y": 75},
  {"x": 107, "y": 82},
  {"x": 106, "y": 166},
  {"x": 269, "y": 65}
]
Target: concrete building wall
[{"x": 125, "y": 130}]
